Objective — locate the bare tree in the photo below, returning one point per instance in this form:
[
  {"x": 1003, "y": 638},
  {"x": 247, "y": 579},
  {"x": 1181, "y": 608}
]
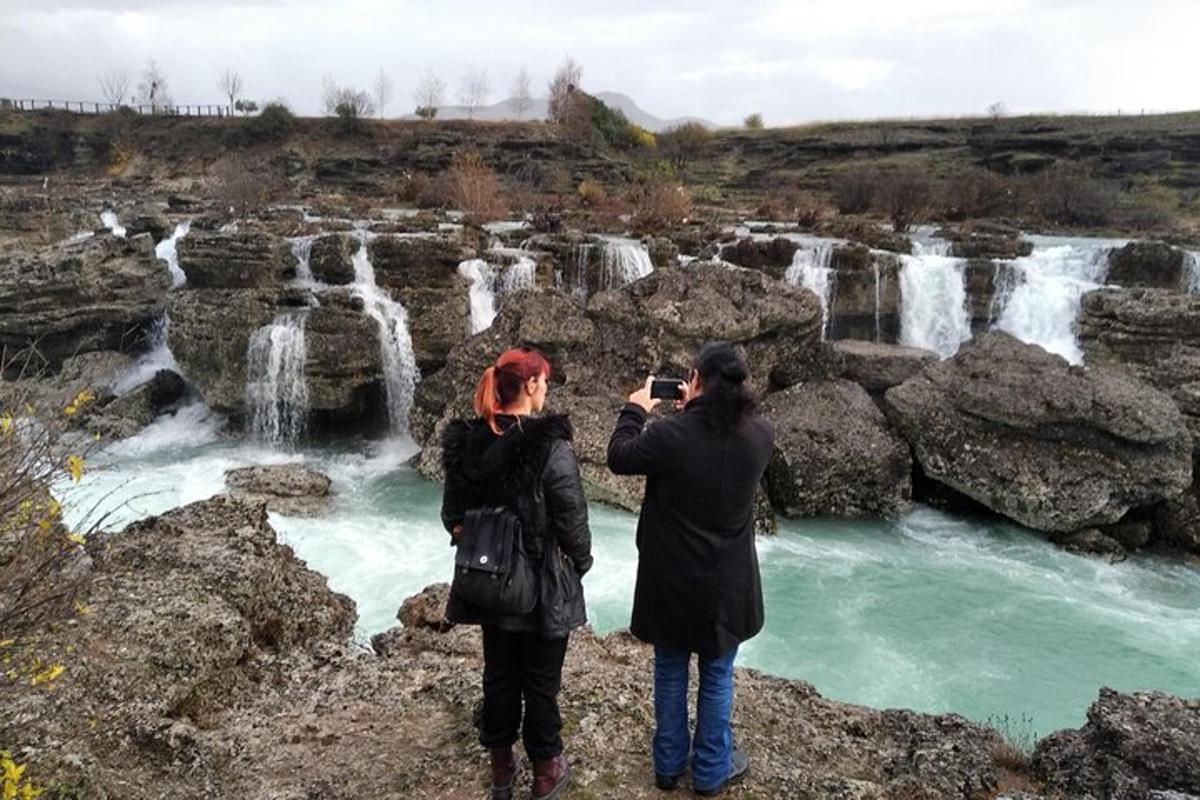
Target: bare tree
[
  {"x": 230, "y": 84},
  {"x": 995, "y": 111},
  {"x": 522, "y": 92},
  {"x": 566, "y": 79},
  {"x": 429, "y": 96},
  {"x": 473, "y": 90},
  {"x": 753, "y": 122},
  {"x": 344, "y": 101},
  {"x": 382, "y": 91},
  {"x": 114, "y": 85},
  {"x": 152, "y": 90}
]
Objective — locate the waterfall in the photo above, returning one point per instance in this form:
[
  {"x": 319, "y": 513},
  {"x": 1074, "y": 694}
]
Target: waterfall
[
  {"x": 276, "y": 392},
  {"x": 482, "y": 294},
  {"x": 157, "y": 357},
  {"x": 166, "y": 250},
  {"x": 1041, "y": 308},
  {"x": 926, "y": 243},
  {"x": 108, "y": 218},
  {"x": 489, "y": 284},
  {"x": 810, "y": 269},
  {"x": 1191, "y": 266},
  {"x": 933, "y": 304},
  {"x": 395, "y": 343},
  {"x": 878, "y": 277},
  {"x": 302, "y": 250},
  {"x": 622, "y": 261}
]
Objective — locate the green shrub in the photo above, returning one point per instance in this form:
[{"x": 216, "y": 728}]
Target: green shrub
[{"x": 274, "y": 124}]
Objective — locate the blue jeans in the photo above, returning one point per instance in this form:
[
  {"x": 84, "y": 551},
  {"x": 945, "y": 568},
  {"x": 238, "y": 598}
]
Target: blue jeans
[{"x": 713, "y": 743}]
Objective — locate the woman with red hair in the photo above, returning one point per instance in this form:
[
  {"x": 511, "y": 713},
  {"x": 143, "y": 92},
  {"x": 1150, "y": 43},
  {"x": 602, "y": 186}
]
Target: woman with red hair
[{"x": 511, "y": 456}]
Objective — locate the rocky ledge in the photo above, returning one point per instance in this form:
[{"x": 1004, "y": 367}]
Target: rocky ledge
[{"x": 206, "y": 661}]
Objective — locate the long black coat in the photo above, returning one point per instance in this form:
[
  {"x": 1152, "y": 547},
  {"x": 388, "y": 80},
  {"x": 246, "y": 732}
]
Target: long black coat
[
  {"x": 698, "y": 585},
  {"x": 530, "y": 468}
]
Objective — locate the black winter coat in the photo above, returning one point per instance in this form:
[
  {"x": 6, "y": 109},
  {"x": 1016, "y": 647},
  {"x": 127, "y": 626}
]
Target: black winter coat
[
  {"x": 698, "y": 586},
  {"x": 530, "y": 468}
]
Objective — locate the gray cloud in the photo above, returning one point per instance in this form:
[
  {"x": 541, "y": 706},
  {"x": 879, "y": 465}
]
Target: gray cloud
[{"x": 793, "y": 61}]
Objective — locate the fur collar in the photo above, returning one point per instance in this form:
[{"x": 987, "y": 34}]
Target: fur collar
[{"x": 471, "y": 449}]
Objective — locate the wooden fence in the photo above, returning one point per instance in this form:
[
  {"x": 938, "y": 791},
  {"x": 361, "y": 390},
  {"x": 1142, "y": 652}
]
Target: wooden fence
[{"x": 83, "y": 107}]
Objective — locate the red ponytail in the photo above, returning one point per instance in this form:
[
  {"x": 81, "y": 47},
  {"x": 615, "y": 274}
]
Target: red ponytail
[{"x": 501, "y": 384}]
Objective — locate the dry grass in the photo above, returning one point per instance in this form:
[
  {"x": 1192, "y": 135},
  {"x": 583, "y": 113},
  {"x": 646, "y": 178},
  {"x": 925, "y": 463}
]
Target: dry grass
[{"x": 473, "y": 188}]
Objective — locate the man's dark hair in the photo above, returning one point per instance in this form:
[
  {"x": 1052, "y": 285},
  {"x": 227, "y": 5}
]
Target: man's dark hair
[{"x": 723, "y": 374}]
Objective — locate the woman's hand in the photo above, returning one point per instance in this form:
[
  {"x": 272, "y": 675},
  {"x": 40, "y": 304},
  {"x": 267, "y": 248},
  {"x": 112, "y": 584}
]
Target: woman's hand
[{"x": 642, "y": 397}]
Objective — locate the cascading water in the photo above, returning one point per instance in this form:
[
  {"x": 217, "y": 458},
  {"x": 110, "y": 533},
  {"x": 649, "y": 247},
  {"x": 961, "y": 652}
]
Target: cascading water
[
  {"x": 166, "y": 250},
  {"x": 1041, "y": 308},
  {"x": 108, "y": 218},
  {"x": 490, "y": 283},
  {"x": 933, "y": 304},
  {"x": 276, "y": 390},
  {"x": 482, "y": 294},
  {"x": 925, "y": 242},
  {"x": 156, "y": 358},
  {"x": 302, "y": 250},
  {"x": 810, "y": 269},
  {"x": 1191, "y": 265},
  {"x": 395, "y": 343},
  {"x": 621, "y": 262}
]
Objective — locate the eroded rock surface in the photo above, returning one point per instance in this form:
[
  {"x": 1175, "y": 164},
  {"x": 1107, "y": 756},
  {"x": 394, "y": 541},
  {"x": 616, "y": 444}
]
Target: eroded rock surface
[{"x": 1052, "y": 446}]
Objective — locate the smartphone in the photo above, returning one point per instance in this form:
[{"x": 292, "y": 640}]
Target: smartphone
[{"x": 666, "y": 389}]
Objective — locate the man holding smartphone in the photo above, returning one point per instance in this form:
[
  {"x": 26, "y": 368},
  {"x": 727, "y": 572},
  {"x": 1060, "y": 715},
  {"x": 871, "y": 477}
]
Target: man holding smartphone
[{"x": 698, "y": 587}]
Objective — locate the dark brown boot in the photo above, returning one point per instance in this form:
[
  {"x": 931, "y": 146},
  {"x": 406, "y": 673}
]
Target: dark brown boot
[
  {"x": 550, "y": 777},
  {"x": 504, "y": 771}
]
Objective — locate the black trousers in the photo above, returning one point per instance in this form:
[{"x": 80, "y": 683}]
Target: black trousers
[{"x": 520, "y": 666}]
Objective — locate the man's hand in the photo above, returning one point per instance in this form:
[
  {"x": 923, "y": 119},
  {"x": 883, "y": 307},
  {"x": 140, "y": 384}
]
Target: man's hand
[{"x": 642, "y": 397}]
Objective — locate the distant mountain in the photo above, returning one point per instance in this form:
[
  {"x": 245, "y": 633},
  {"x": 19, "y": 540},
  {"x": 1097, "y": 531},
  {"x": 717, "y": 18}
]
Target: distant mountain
[{"x": 507, "y": 110}]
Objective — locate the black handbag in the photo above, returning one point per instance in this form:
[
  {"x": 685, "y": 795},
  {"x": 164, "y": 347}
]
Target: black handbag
[{"x": 491, "y": 569}]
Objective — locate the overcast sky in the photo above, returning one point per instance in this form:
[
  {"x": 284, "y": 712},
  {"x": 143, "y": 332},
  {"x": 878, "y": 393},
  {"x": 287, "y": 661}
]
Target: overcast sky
[{"x": 793, "y": 61}]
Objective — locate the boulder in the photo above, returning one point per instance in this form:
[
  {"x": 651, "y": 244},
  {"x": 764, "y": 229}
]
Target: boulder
[
  {"x": 663, "y": 252},
  {"x": 1092, "y": 542},
  {"x": 417, "y": 262},
  {"x": 878, "y": 367},
  {"x": 1132, "y": 745},
  {"x": 1153, "y": 265},
  {"x": 1151, "y": 334},
  {"x": 427, "y": 609},
  {"x": 1052, "y": 446},
  {"x": 234, "y": 260},
  {"x": 149, "y": 220},
  {"x": 773, "y": 256},
  {"x": 103, "y": 293},
  {"x": 835, "y": 454},
  {"x": 1177, "y": 521},
  {"x": 986, "y": 245},
  {"x": 331, "y": 258},
  {"x": 289, "y": 489}
]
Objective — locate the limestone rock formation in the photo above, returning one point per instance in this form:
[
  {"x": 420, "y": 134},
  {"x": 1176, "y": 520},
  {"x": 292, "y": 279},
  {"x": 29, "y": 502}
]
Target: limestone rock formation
[
  {"x": 234, "y": 260},
  {"x": 835, "y": 453},
  {"x": 878, "y": 367},
  {"x": 1147, "y": 264},
  {"x": 331, "y": 258},
  {"x": 1054, "y": 447},
  {"x": 1151, "y": 334},
  {"x": 289, "y": 489},
  {"x": 102, "y": 293},
  {"x": 1132, "y": 745}
]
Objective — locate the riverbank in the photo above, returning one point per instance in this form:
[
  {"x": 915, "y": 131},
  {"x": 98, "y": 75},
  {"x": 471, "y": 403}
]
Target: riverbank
[{"x": 205, "y": 661}]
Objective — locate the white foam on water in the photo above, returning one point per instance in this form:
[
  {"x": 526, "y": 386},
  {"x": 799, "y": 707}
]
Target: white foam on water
[
  {"x": 934, "y": 311},
  {"x": 302, "y": 250},
  {"x": 191, "y": 426},
  {"x": 399, "y": 362},
  {"x": 166, "y": 250}
]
